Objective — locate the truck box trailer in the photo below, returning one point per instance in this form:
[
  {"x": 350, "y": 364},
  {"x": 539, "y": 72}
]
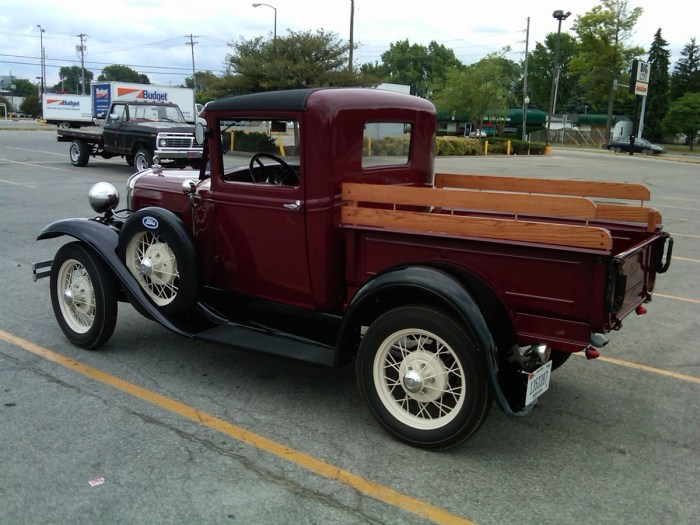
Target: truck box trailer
[
  {"x": 67, "y": 111},
  {"x": 104, "y": 93}
]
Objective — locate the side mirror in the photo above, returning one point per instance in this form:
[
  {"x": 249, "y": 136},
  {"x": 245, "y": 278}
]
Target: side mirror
[{"x": 199, "y": 132}]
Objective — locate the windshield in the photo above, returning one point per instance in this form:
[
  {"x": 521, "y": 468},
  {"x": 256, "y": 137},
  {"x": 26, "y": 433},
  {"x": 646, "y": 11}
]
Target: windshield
[
  {"x": 260, "y": 151},
  {"x": 155, "y": 113}
]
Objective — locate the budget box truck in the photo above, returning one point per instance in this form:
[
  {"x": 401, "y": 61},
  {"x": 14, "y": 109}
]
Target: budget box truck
[
  {"x": 66, "y": 110},
  {"x": 104, "y": 93}
]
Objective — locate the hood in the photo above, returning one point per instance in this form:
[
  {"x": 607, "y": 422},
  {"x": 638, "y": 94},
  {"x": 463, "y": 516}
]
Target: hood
[{"x": 156, "y": 127}]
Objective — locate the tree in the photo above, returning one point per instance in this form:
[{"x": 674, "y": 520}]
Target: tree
[
  {"x": 604, "y": 57},
  {"x": 477, "y": 89},
  {"x": 658, "y": 95},
  {"x": 209, "y": 86},
  {"x": 302, "y": 59},
  {"x": 119, "y": 73},
  {"x": 684, "y": 117},
  {"x": 31, "y": 105},
  {"x": 23, "y": 87},
  {"x": 686, "y": 74},
  {"x": 423, "y": 68},
  {"x": 541, "y": 66},
  {"x": 70, "y": 80}
]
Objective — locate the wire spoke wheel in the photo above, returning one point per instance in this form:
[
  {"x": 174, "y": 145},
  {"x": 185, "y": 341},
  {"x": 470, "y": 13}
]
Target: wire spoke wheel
[
  {"x": 161, "y": 254},
  {"x": 83, "y": 296},
  {"x": 155, "y": 266},
  {"x": 77, "y": 295},
  {"x": 421, "y": 377}
]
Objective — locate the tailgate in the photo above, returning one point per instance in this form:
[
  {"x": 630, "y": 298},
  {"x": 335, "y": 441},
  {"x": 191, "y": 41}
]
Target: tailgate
[{"x": 632, "y": 274}]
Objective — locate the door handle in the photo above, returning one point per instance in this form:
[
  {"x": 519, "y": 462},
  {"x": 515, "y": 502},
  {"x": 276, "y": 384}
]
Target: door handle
[{"x": 293, "y": 205}]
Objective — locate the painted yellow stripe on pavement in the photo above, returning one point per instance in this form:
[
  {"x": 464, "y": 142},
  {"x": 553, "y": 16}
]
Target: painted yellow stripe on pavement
[
  {"x": 368, "y": 488},
  {"x": 645, "y": 368},
  {"x": 676, "y": 298},
  {"x": 660, "y": 371}
]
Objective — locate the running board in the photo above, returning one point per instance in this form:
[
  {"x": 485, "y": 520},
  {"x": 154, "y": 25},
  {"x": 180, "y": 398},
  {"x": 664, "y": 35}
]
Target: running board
[{"x": 269, "y": 342}]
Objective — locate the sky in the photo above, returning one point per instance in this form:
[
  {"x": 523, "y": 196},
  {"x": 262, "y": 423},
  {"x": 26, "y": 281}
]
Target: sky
[{"x": 153, "y": 36}]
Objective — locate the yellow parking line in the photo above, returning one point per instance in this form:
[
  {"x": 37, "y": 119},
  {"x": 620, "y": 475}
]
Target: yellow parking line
[
  {"x": 645, "y": 368},
  {"x": 364, "y": 486},
  {"x": 674, "y": 234},
  {"x": 676, "y": 298}
]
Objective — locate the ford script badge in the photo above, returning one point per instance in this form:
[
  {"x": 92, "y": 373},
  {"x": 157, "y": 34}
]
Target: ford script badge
[{"x": 150, "y": 222}]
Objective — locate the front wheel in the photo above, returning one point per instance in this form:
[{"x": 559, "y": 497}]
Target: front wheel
[
  {"x": 143, "y": 159},
  {"x": 419, "y": 374},
  {"x": 161, "y": 255},
  {"x": 83, "y": 296}
]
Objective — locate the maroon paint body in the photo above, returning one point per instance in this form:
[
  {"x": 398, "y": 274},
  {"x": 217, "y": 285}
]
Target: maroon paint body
[{"x": 285, "y": 244}]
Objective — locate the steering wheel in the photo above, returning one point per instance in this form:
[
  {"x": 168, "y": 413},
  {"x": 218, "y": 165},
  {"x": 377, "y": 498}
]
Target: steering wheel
[{"x": 285, "y": 176}]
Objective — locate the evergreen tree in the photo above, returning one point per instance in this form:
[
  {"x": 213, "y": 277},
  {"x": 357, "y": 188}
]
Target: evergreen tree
[
  {"x": 686, "y": 75},
  {"x": 658, "y": 94}
]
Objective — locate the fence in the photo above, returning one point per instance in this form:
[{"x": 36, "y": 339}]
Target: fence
[{"x": 593, "y": 138}]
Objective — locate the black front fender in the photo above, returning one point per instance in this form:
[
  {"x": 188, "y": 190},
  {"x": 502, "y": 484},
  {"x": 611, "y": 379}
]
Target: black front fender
[
  {"x": 442, "y": 288},
  {"x": 102, "y": 240}
]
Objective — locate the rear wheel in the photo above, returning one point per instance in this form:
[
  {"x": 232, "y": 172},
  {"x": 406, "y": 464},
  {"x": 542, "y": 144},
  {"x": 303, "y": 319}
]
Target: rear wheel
[
  {"x": 79, "y": 153},
  {"x": 83, "y": 296},
  {"x": 421, "y": 377}
]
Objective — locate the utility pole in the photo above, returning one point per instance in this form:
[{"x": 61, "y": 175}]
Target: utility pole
[
  {"x": 526, "y": 99},
  {"x": 81, "y": 50},
  {"x": 43, "y": 59},
  {"x": 191, "y": 43},
  {"x": 352, "y": 24}
]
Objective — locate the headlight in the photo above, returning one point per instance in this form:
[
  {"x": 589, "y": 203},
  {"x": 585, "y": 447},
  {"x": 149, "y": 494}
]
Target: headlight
[
  {"x": 103, "y": 197},
  {"x": 162, "y": 143}
]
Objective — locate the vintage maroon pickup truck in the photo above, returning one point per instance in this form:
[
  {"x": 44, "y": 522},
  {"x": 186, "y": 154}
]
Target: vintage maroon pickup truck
[{"x": 317, "y": 229}]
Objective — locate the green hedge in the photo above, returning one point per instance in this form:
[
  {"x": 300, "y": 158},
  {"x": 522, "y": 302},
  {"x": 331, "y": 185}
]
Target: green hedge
[
  {"x": 458, "y": 146},
  {"x": 253, "y": 141}
]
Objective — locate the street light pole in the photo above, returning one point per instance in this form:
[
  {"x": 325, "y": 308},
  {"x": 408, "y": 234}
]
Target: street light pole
[
  {"x": 526, "y": 99},
  {"x": 559, "y": 15},
  {"x": 274, "y": 37},
  {"x": 42, "y": 63},
  {"x": 352, "y": 24}
]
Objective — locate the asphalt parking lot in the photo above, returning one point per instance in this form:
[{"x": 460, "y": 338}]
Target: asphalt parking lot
[{"x": 154, "y": 428}]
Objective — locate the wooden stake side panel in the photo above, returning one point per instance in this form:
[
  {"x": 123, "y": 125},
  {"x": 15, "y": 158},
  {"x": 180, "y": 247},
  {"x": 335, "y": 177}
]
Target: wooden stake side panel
[
  {"x": 613, "y": 190},
  {"x": 623, "y": 212},
  {"x": 592, "y": 189},
  {"x": 511, "y": 203},
  {"x": 505, "y": 229}
]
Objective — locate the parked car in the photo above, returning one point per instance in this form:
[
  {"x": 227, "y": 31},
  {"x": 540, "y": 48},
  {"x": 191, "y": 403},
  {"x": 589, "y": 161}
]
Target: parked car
[
  {"x": 478, "y": 134},
  {"x": 640, "y": 146}
]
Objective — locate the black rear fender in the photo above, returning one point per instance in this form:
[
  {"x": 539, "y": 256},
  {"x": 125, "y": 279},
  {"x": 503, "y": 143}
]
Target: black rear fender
[{"x": 431, "y": 287}]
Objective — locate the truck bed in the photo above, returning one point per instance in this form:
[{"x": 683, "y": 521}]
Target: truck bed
[
  {"x": 566, "y": 258},
  {"x": 92, "y": 135}
]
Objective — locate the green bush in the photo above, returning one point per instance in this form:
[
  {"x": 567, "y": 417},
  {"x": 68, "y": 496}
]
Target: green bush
[
  {"x": 253, "y": 141},
  {"x": 391, "y": 146},
  {"x": 447, "y": 146}
]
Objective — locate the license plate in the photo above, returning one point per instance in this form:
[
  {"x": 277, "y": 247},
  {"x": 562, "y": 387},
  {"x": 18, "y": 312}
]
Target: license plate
[
  {"x": 193, "y": 154},
  {"x": 538, "y": 383}
]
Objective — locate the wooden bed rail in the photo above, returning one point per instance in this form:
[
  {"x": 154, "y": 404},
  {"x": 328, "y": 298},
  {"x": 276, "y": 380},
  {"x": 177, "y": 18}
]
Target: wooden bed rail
[
  {"x": 590, "y": 189},
  {"x": 511, "y": 203},
  {"x": 562, "y": 234},
  {"x": 581, "y": 188}
]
